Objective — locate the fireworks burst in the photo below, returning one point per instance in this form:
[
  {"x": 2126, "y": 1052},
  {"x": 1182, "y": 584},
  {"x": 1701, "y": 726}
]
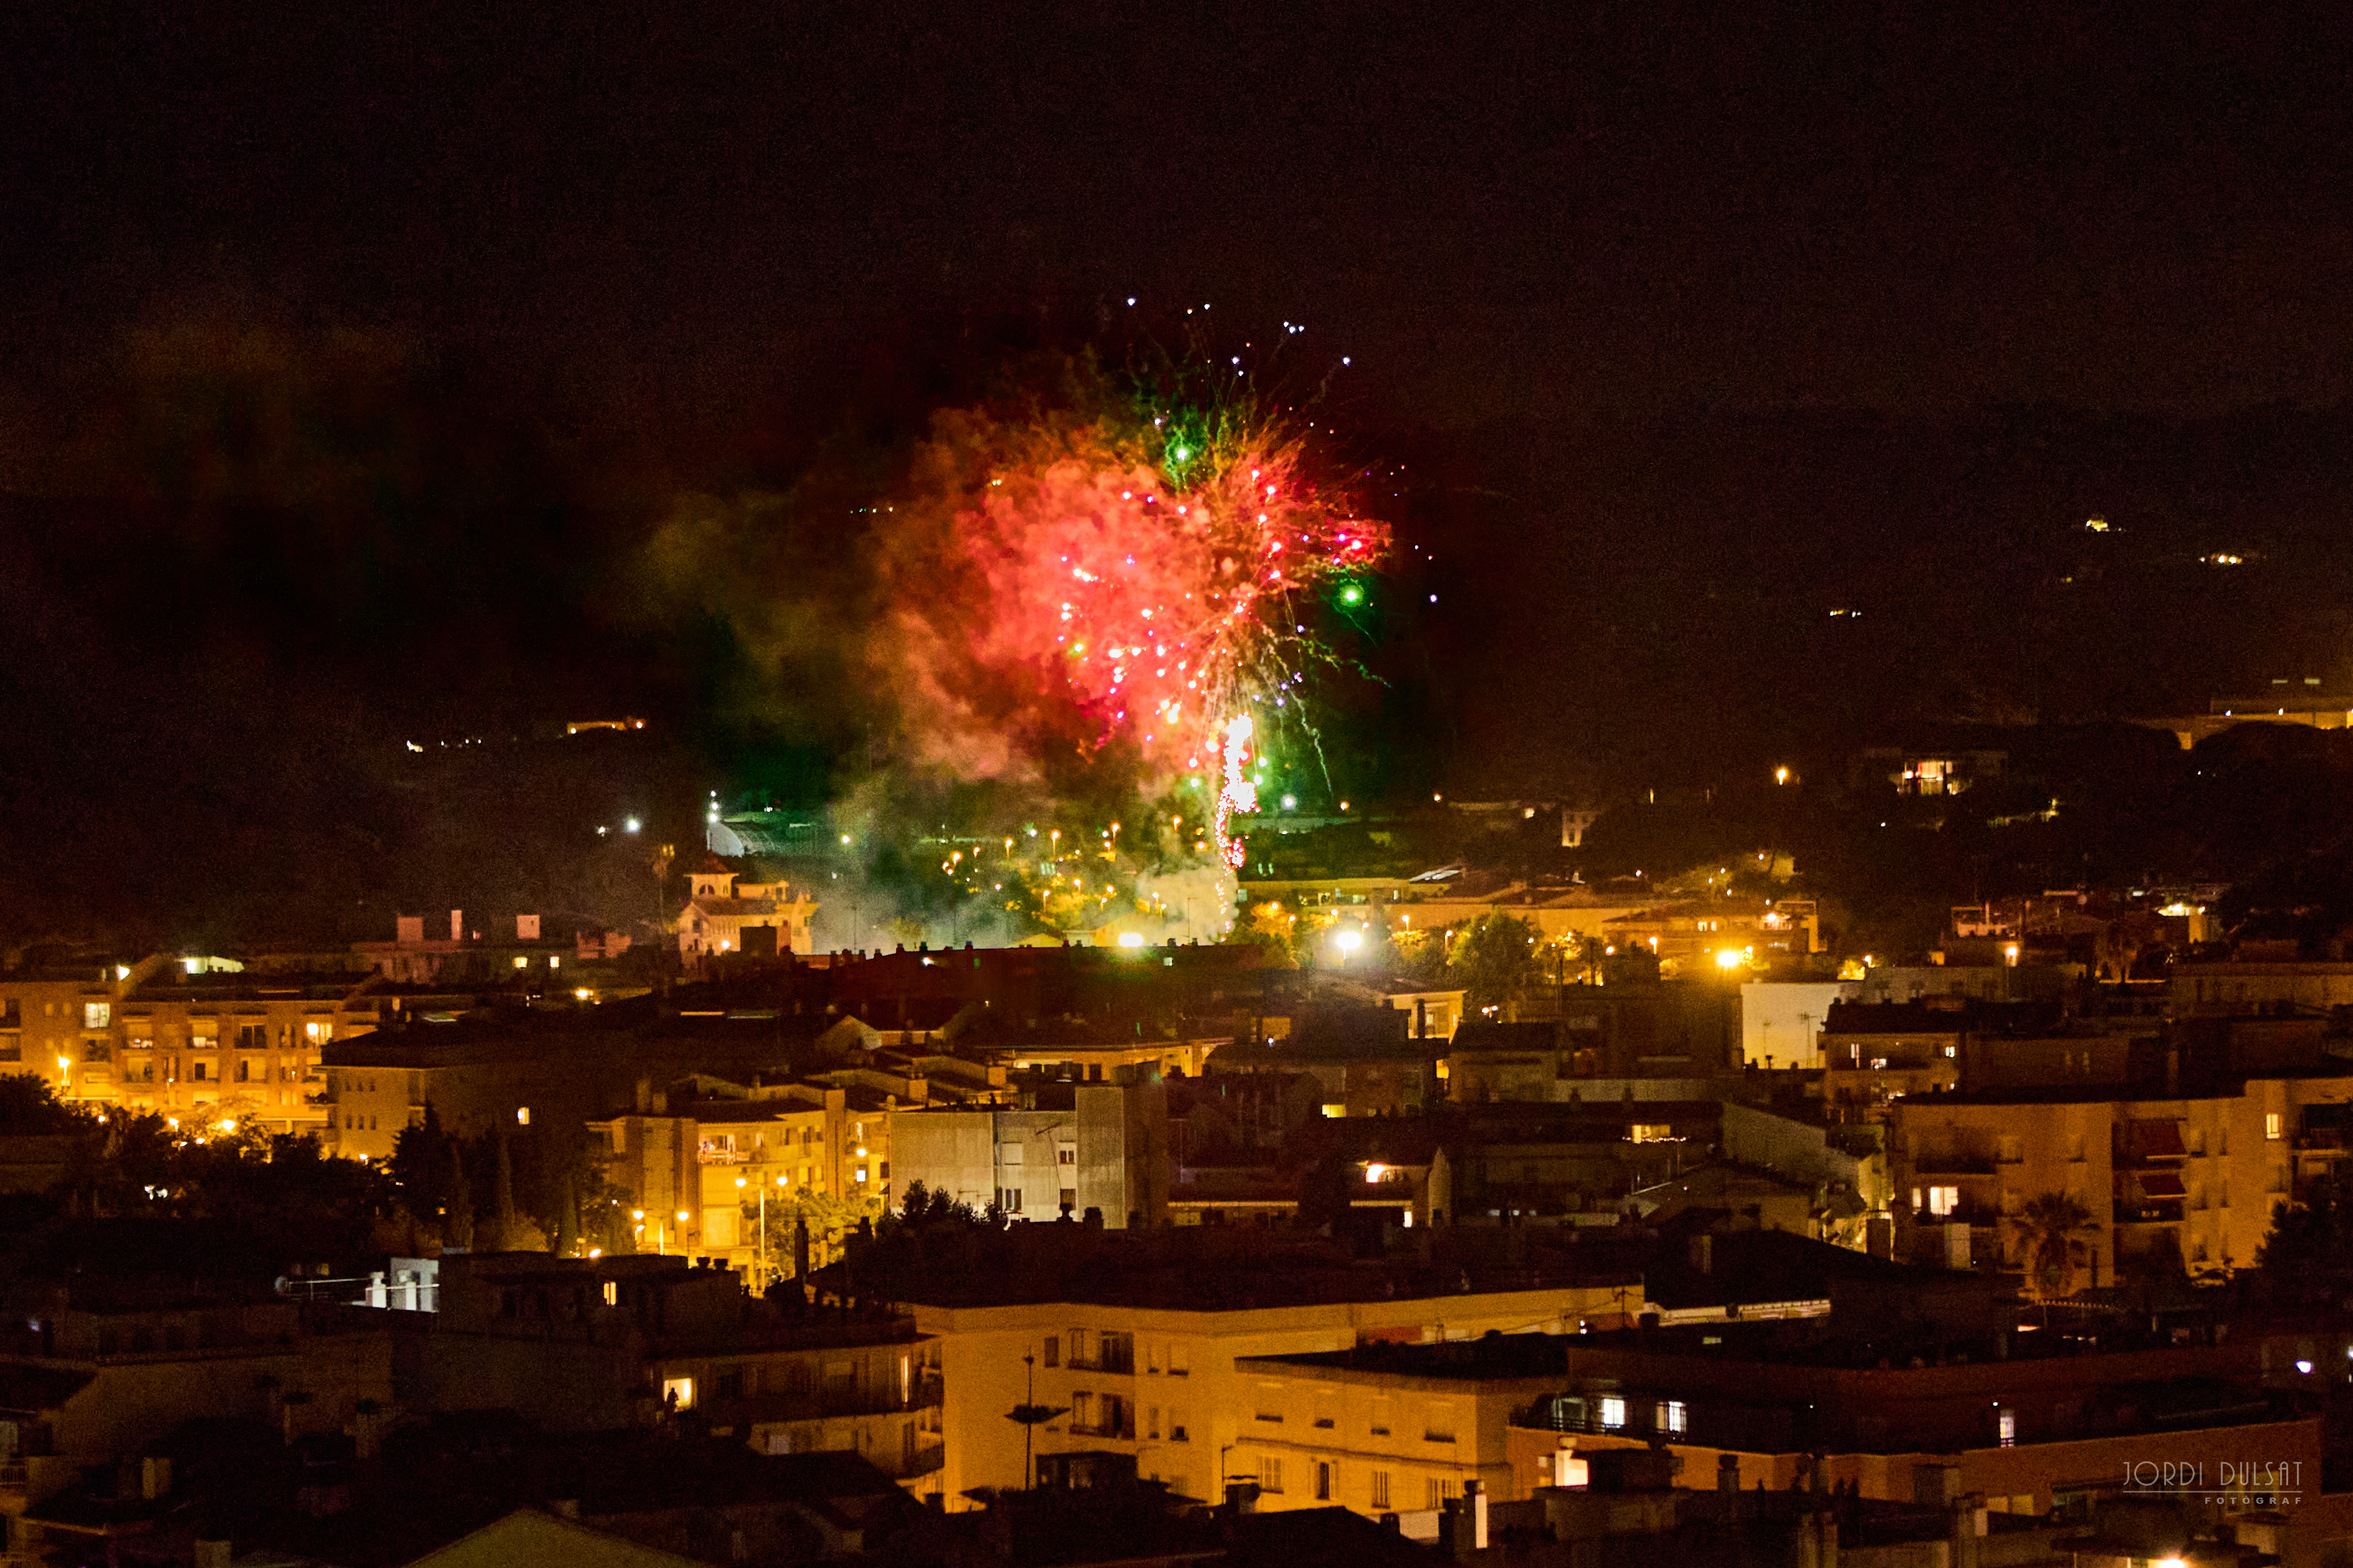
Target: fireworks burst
[{"x": 1149, "y": 567}]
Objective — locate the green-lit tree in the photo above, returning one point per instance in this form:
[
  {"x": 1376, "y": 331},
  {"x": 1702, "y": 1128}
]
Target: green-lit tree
[
  {"x": 1493, "y": 957},
  {"x": 830, "y": 1221}
]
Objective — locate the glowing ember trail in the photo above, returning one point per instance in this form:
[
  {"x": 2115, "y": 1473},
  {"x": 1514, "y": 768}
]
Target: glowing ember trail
[{"x": 1237, "y": 794}]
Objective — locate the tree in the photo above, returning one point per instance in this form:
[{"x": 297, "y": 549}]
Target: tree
[
  {"x": 2309, "y": 1250},
  {"x": 1267, "y": 927},
  {"x": 2045, "y": 1228},
  {"x": 29, "y": 1107},
  {"x": 830, "y": 1221},
  {"x": 1419, "y": 956},
  {"x": 1494, "y": 958}
]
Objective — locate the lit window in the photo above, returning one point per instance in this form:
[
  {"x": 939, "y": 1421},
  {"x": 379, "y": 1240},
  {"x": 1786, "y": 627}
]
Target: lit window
[
  {"x": 2009, "y": 1424},
  {"x": 2272, "y": 1124},
  {"x": 522, "y": 1115},
  {"x": 861, "y": 1173},
  {"x": 1674, "y": 1416},
  {"x": 96, "y": 1015},
  {"x": 1943, "y": 1201},
  {"x": 612, "y": 1293},
  {"x": 678, "y": 1392},
  {"x": 1613, "y": 1411}
]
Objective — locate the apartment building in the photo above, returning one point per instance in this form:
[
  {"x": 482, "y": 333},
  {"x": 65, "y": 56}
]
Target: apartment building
[
  {"x": 93, "y": 1372},
  {"x": 2029, "y": 1437},
  {"x": 186, "y": 1038},
  {"x": 57, "y": 1024},
  {"x": 241, "y": 1045},
  {"x": 2211, "y": 988},
  {"x": 1074, "y": 1148},
  {"x": 874, "y": 1390},
  {"x": 1129, "y": 1342},
  {"x": 634, "y": 1338},
  {"x": 1388, "y": 1428},
  {"x": 2194, "y": 1172},
  {"x": 712, "y": 1160}
]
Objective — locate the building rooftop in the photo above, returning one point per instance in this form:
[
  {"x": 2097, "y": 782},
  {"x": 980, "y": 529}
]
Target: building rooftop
[{"x": 1210, "y": 1269}]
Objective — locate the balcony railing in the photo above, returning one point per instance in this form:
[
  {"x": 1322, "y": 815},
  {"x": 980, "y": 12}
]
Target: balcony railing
[
  {"x": 1951, "y": 1162},
  {"x": 15, "y": 1476}
]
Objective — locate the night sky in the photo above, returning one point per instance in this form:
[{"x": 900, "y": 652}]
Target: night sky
[{"x": 354, "y": 356}]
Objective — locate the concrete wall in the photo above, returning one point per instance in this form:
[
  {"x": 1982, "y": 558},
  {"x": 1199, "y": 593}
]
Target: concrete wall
[
  {"x": 1782, "y": 1020},
  {"x": 1802, "y": 1153},
  {"x": 947, "y": 1151}
]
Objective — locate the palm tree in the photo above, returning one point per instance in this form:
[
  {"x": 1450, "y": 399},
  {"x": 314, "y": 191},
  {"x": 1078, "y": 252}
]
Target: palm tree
[{"x": 2045, "y": 1228}]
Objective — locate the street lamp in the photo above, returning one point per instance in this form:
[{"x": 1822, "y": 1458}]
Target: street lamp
[
  {"x": 1030, "y": 1415},
  {"x": 763, "y": 1244}
]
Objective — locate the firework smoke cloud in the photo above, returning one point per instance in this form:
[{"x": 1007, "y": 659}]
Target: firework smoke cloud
[{"x": 1064, "y": 639}]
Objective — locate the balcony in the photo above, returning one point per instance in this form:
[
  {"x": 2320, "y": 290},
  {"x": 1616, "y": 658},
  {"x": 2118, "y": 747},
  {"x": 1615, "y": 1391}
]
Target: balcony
[
  {"x": 1952, "y": 1162},
  {"x": 15, "y": 1478},
  {"x": 927, "y": 1458},
  {"x": 1117, "y": 1356},
  {"x": 807, "y": 1406}
]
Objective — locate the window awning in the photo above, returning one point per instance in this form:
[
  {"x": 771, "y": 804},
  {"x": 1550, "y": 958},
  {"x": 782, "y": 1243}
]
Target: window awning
[
  {"x": 2162, "y": 1185},
  {"x": 2159, "y": 1140}
]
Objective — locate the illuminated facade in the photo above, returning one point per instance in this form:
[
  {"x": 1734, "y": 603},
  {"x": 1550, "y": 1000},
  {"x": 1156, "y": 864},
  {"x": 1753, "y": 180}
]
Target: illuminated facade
[
  {"x": 2194, "y": 1172},
  {"x": 709, "y": 1159},
  {"x": 1163, "y": 1383},
  {"x": 185, "y": 1039},
  {"x": 722, "y": 916}
]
